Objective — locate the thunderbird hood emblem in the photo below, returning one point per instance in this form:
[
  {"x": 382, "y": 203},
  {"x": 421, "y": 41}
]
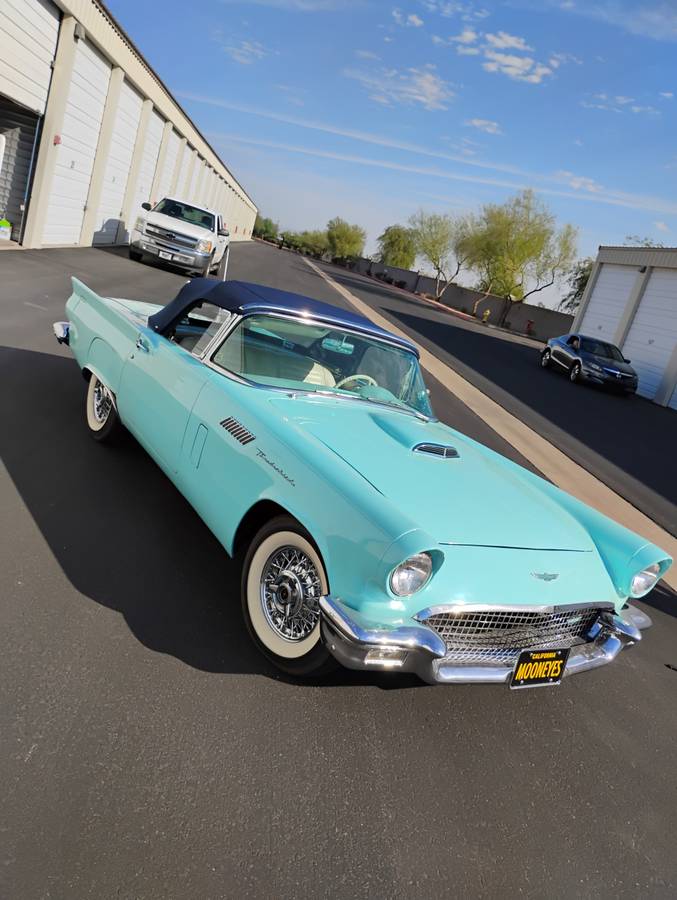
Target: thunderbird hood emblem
[{"x": 545, "y": 576}]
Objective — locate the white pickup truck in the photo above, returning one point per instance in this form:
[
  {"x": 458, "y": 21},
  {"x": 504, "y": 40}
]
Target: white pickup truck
[{"x": 190, "y": 237}]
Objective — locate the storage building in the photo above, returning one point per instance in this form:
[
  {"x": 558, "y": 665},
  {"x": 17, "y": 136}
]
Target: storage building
[
  {"x": 88, "y": 131},
  {"x": 631, "y": 300}
]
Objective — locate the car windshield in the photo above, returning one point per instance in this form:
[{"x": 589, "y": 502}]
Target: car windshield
[
  {"x": 290, "y": 353},
  {"x": 601, "y": 348},
  {"x": 186, "y": 213}
]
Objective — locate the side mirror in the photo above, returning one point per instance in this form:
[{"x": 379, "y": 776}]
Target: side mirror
[
  {"x": 627, "y": 360},
  {"x": 146, "y": 206},
  {"x": 223, "y": 232}
]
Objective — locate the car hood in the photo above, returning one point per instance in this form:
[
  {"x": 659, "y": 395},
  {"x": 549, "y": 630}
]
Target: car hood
[
  {"x": 608, "y": 363},
  {"x": 469, "y": 499},
  {"x": 178, "y": 225}
]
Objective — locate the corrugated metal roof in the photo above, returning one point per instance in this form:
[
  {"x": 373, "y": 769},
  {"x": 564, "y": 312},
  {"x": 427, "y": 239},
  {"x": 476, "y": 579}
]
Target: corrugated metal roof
[{"x": 659, "y": 257}]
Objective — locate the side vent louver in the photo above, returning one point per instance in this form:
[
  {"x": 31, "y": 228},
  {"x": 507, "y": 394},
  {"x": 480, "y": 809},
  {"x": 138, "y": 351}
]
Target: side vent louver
[
  {"x": 238, "y": 430},
  {"x": 442, "y": 451}
]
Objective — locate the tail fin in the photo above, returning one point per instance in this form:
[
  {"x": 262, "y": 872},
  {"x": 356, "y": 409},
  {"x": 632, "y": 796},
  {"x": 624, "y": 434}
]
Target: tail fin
[{"x": 81, "y": 290}]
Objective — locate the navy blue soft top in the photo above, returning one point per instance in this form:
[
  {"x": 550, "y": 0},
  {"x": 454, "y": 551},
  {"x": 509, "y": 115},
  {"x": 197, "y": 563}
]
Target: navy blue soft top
[{"x": 243, "y": 297}]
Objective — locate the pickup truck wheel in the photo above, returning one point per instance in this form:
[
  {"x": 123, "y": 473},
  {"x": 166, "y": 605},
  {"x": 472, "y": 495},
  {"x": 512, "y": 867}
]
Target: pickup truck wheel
[
  {"x": 135, "y": 255},
  {"x": 102, "y": 418},
  {"x": 283, "y": 578}
]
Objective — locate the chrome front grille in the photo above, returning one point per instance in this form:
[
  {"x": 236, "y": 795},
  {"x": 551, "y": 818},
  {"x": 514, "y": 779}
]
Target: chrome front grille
[
  {"x": 171, "y": 238},
  {"x": 497, "y": 636}
]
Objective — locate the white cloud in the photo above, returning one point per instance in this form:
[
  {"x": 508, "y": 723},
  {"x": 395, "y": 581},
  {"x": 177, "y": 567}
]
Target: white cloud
[
  {"x": 486, "y": 125},
  {"x": 467, "y": 36},
  {"x": 649, "y": 110},
  {"x": 610, "y": 197},
  {"x": 661, "y": 226},
  {"x": 409, "y": 21},
  {"x": 408, "y": 87},
  {"x": 462, "y": 50},
  {"x": 546, "y": 183},
  {"x": 655, "y": 19},
  {"x": 558, "y": 59},
  {"x": 504, "y": 41},
  {"x": 292, "y": 94},
  {"x": 466, "y": 12},
  {"x": 246, "y": 52},
  {"x": 519, "y": 68},
  {"x": 667, "y": 95},
  {"x": 366, "y": 54},
  {"x": 580, "y": 182},
  {"x": 578, "y": 142},
  {"x": 623, "y": 101}
]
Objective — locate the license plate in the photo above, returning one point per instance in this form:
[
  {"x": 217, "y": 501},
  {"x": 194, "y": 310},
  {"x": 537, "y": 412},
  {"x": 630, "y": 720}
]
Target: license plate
[
  {"x": 539, "y": 668},
  {"x": 164, "y": 255}
]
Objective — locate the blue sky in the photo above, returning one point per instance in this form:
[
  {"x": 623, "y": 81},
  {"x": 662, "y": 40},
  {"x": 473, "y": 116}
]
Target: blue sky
[{"x": 370, "y": 110}]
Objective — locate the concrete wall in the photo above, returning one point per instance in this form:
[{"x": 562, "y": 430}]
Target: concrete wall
[{"x": 545, "y": 323}]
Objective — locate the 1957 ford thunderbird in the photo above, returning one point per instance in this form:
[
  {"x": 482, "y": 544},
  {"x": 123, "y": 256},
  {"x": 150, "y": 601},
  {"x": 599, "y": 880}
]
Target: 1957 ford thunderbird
[{"x": 370, "y": 532}]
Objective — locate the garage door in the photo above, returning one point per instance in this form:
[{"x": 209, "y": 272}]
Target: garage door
[
  {"x": 653, "y": 334},
  {"x": 28, "y": 35},
  {"x": 75, "y": 154},
  {"x": 186, "y": 160},
  {"x": 151, "y": 150},
  {"x": 109, "y": 213},
  {"x": 609, "y": 296},
  {"x": 165, "y": 182},
  {"x": 197, "y": 168}
]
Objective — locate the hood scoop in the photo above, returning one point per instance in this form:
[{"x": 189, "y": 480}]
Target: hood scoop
[{"x": 441, "y": 451}]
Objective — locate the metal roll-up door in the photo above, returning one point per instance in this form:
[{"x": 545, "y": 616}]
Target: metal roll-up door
[
  {"x": 652, "y": 337},
  {"x": 19, "y": 128},
  {"x": 191, "y": 198},
  {"x": 607, "y": 303},
  {"x": 165, "y": 181},
  {"x": 116, "y": 174},
  {"x": 28, "y": 34},
  {"x": 186, "y": 159},
  {"x": 151, "y": 151},
  {"x": 79, "y": 138}
]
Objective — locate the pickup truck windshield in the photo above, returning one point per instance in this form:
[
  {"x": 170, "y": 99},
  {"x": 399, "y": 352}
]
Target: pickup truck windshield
[
  {"x": 186, "y": 213},
  {"x": 300, "y": 355}
]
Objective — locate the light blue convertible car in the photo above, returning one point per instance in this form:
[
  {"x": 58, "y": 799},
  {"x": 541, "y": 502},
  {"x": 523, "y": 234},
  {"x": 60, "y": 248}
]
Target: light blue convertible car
[{"x": 370, "y": 533}]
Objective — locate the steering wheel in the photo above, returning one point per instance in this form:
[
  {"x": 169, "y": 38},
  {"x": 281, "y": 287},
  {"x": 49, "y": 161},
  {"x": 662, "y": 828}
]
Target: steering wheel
[{"x": 367, "y": 379}]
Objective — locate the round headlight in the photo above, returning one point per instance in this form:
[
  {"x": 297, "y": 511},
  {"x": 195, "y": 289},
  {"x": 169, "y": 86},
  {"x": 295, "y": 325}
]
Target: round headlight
[
  {"x": 643, "y": 581},
  {"x": 411, "y": 575}
]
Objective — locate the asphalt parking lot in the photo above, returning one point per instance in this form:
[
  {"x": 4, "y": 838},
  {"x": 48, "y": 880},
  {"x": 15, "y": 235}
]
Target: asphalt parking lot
[{"x": 148, "y": 751}]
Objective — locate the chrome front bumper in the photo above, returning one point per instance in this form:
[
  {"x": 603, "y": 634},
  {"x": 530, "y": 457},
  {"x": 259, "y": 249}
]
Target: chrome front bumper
[
  {"x": 181, "y": 257},
  {"x": 424, "y": 651}
]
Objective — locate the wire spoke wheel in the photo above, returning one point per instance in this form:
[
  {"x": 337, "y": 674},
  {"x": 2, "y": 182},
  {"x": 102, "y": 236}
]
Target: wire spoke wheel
[
  {"x": 290, "y": 593},
  {"x": 283, "y": 579}
]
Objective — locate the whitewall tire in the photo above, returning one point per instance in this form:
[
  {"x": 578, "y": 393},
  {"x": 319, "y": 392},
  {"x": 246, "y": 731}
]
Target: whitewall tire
[
  {"x": 101, "y": 415},
  {"x": 283, "y": 578}
]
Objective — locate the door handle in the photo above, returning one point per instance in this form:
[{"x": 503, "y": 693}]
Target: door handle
[{"x": 141, "y": 344}]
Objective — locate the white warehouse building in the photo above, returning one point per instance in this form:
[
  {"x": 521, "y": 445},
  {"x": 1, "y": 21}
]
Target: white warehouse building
[
  {"x": 631, "y": 301},
  {"x": 88, "y": 132}
]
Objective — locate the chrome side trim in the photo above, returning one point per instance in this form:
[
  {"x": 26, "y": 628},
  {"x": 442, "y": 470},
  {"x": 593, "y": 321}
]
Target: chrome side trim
[{"x": 62, "y": 332}]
